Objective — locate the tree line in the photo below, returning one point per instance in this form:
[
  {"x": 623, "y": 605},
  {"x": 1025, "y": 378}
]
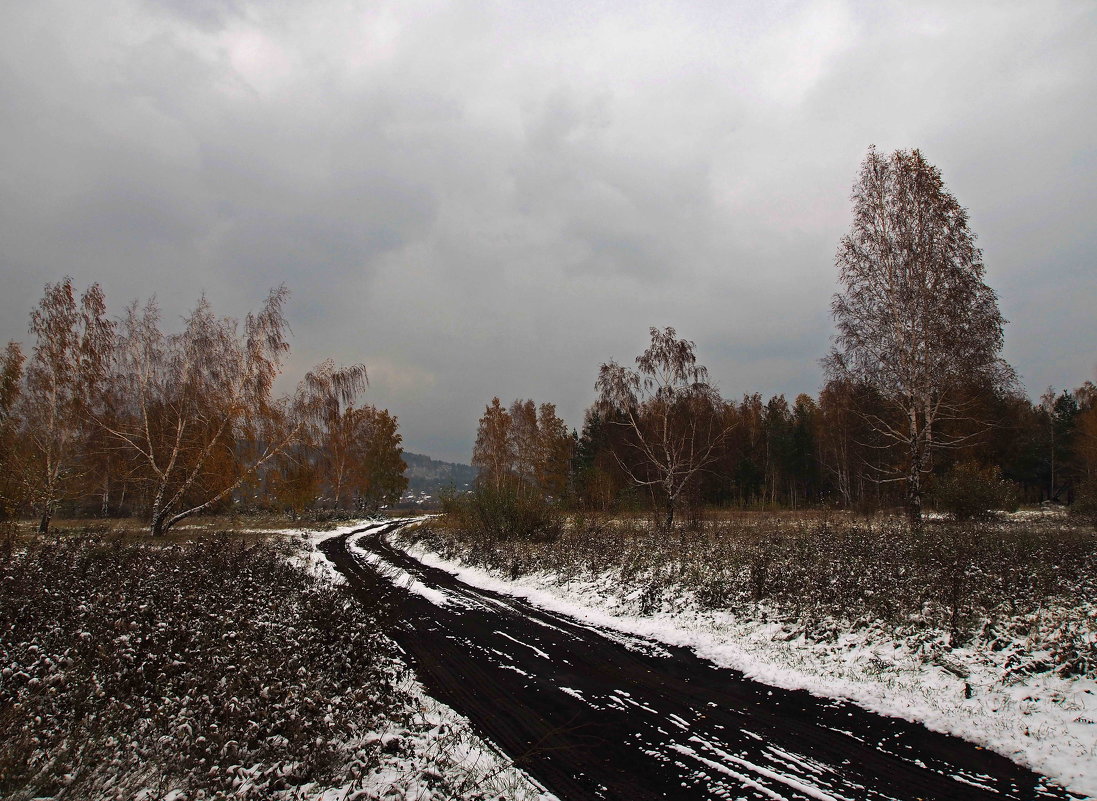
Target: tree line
[
  {"x": 117, "y": 417},
  {"x": 823, "y": 450},
  {"x": 918, "y": 402}
]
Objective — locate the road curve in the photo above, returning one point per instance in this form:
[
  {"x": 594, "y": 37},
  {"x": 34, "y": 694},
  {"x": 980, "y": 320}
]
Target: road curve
[{"x": 594, "y": 714}]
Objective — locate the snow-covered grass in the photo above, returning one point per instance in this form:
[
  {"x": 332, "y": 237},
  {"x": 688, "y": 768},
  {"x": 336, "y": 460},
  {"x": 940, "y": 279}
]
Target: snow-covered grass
[
  {"x": 985, "y": 632},
  {"x": 440, "y": 757},
  {"x": 227, "y": 666}
]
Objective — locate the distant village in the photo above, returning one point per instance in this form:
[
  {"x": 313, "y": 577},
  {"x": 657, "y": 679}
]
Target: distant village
[{"x": 429, "y": 478}]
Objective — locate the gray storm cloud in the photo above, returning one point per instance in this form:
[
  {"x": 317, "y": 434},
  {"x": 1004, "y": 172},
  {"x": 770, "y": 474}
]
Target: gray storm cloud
[{"x": 493, "y": 199}]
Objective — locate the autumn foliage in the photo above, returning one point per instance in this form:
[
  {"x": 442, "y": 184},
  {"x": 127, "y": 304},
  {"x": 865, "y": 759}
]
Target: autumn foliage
[{"x": 119, "y": 417}]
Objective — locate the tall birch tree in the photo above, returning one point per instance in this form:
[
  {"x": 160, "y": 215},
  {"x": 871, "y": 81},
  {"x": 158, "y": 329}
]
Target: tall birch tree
[
  {"x": 915, "y": 320},
  {"x": 493, "y": 453}
]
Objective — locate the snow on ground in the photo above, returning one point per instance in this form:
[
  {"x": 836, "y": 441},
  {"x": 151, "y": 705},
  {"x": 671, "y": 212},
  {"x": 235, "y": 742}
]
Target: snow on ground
[
  {"x": 439, "y": 756},
  {"x": 396, "y": 574},
  {"x": 309, "y": 556},
  {"x": 1041, "y": 721}
]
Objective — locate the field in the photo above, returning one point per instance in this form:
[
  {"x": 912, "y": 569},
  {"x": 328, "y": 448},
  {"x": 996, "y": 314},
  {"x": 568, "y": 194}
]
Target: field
[
  {"x": 225, "y": 659},
  {"x": 209, "y": 664}
]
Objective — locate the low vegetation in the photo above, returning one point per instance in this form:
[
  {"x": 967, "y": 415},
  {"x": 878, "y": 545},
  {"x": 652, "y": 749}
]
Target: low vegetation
[
  {"x": 507, "y": 511},
  {"x": 1084, "y": 508},
  {"x": 1023, "y": 585},
  {"x": 968, "y": 492},
  {"x": 212, "y": 667}
]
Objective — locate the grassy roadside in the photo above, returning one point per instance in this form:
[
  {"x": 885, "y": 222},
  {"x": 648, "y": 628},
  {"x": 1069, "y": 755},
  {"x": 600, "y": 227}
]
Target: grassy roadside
[
  {"x": 251, "y": 527},
  {"x": 1027, "y": 584},
  {"x": 987, "y": 632}
]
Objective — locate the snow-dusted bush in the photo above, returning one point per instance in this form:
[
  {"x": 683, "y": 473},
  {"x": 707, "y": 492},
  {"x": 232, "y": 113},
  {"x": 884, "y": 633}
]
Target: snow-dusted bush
[{"x": 213, "y": 668}]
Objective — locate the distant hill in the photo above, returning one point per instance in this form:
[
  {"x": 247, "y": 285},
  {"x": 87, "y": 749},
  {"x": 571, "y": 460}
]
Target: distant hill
[{"x": 428, "y": 477}]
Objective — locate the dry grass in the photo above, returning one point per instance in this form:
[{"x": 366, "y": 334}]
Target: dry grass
[
  {"x": 214, "y": 666},
  {"x": 1032, "y": 579},
  {"x": 250, "y": 528}
]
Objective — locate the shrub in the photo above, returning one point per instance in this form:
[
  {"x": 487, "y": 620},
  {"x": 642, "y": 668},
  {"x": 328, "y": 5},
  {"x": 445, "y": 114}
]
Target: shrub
[
  {"x": 505, "y": 511},
  {"x": 968, "y": 492},
  {"x": 1085, "y": 502}
]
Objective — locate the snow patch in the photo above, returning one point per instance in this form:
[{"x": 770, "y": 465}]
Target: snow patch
[
  {"x": 441, "y": 749},
  {"x": 1041, "y": 721}
]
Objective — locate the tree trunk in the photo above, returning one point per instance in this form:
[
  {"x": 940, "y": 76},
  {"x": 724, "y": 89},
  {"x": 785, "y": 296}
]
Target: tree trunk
[
  {"x": 914, "y": 502},
  {"x": 914, "y": 488},
  {"x": 672, "y": 497}
]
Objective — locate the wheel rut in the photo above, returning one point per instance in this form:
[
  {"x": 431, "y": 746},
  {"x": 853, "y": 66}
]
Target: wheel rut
[{"x": 596, "y": 714}]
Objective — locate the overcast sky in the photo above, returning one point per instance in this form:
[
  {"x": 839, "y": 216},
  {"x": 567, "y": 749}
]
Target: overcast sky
[{"x": 480, "y": 199}]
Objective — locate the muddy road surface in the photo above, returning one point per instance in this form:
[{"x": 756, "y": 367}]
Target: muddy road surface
[{"x": 595, "y": 714}]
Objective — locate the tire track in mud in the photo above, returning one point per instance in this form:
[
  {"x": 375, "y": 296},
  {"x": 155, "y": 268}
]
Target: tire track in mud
[{"x": 597, "y": 714}]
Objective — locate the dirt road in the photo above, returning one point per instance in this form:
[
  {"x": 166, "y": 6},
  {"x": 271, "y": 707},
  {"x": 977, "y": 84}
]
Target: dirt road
[{"x": 594, "y": 714}]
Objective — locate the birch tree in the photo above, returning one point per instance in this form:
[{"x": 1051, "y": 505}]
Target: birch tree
[
  {"x": 528, "y": 447},
  {"x": 915, "y": 320},
  {"x": 493, "y": 453},
  {"x": 319, "y": 454},
  {"x": 361, "y": 459},
  {"x": 673, "y": 416},
  {"x": 376, "y": 475},
  {"x": 525, "y": 444},
  {"x": 64, "y": 378},
  {"x": 202, "y": 419},
  {"x": 11, "y": 386}
]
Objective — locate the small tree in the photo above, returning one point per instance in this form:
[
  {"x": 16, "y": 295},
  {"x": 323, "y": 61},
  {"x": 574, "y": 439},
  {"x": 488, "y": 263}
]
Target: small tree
[
  {"x": 11, "y": 381},
  {"x": 1060, "y": 413},
  {"x": 1085, "y": 499},
  {"x": 915, "y": 320},
  {"x": 294, "y": 483},
  {"x": 555, "y": 450},
  {"x": 672, "y": 415},
  {"x": 362, "y": 454},
  {"x": 65, "y": 378},
  {"x": 11, "y": 385},
  {"x": 597, "y": 479},
  {"x": 1085, "y": 502},
  {"x": 1086, "y": 428}
]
